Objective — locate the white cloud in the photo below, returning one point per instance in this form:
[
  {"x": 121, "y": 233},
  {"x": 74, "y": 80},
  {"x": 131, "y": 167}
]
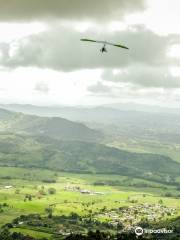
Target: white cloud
[
  {"x": 60, "y": 48},
  {"x": 31, "y": 50},
  {"x": 144, "y": 76},
  {"x": 161, "y": 16},
  {"x": 26, "y": 85},
  {"x": 41, "y": 87},
  {"x": 174, "y": 51},
  {"x": 15, "y": 31}
]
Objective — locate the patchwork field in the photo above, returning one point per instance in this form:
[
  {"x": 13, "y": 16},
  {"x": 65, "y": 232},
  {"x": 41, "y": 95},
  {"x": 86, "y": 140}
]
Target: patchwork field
[{"x": 102, "y": 198}]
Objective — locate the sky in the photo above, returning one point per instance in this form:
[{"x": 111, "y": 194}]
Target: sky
[{"x": 43, "y": 61}]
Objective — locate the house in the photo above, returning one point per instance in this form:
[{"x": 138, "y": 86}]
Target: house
[
  {"x": 8, "y": 187},
  {"x": 85, "y": 191}
]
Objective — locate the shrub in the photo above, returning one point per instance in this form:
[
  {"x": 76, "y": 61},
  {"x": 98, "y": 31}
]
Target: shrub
[{"x": 52, "y": 191}]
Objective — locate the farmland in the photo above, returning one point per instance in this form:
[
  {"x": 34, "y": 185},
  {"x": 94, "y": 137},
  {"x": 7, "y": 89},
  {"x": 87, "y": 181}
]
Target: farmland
[{"x": 78, "y": 196}]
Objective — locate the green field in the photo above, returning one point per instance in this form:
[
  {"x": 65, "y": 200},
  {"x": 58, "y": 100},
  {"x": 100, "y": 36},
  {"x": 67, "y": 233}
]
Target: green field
[
  {"x": 68, "y": 198},
  {"x": 35, "y": 234}
]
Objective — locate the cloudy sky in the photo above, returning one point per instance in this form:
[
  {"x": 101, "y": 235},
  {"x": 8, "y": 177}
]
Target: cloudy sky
[{"x": 43, "y": 61}]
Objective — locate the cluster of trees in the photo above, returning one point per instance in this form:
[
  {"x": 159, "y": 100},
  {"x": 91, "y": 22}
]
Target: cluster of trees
[
  {"x": 50, "y": 191},
  {"x": 40, "y": 193},
  {"x": 74, "y": 222},
  {"x": 6, "y": 235},
  {"x": 107, "y": 236},
  {"x": 2, "y": 206},
  {"x": 28, "y": 197}
]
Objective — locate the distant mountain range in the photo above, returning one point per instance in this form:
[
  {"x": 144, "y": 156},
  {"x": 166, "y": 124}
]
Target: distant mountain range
[
  {"x": 143, "y": 108},
  {"x": 59, "y": 110},
  {"x": 150, "y": 123}
]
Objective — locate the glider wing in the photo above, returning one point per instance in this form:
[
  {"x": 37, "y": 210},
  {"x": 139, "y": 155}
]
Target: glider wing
[
  {"x": 104, "y": 42},
  {"x": 121, "y": 46},
  {"x": 117, "y": 45},
  {"x": 87, "y": 40}
]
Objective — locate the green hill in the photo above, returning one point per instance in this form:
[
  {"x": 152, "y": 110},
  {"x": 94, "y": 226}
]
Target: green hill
[
  {"x": 74, "y": 156},
  {"x": 130, "y": 121},
  {"x": 59, "y": 144},
  {"x": 54, "y": 127}
]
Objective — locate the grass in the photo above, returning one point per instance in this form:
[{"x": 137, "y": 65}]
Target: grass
[
  {"x": 32, "y": 233},
  {"x": 65, "y": 202},
  {"x": 143, "y": 146}
]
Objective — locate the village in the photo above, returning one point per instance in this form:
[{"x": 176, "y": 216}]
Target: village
[{"x": 129, "y": 217}]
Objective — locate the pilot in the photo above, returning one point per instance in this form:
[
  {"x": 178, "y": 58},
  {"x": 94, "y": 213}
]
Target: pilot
[{"x": 104, "y": 49}]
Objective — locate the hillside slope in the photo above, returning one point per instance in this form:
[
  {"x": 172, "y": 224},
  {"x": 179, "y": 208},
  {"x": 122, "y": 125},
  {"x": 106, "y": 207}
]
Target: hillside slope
[
  {"x": 54, "y": 127},
  {"x": 74, "y": 156},
  {"x": 124, "y": 120}
]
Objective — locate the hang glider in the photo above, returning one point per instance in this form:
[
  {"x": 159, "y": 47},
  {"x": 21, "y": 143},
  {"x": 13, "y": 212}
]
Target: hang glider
[{"x": 103, "y": 49}]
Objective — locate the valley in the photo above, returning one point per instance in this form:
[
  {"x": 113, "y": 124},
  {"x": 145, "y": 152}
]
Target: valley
[{"x": 59, "y": 177}]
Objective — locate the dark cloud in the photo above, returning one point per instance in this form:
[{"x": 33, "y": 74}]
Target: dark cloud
[
  {"x": 23, "y": 10},
  {"x": 144, "y": 76},
  {"x": 60, "y": 48}
]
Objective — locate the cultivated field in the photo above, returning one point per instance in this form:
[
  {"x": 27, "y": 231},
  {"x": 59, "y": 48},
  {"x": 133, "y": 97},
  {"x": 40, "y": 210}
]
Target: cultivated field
[{"x": 97, "y": 197}]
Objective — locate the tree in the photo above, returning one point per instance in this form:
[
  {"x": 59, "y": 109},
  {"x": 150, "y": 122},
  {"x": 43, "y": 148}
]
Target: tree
[
  {"x": 52, "y": 191},
  {"x": 49, "y": 211},
  {"x": 17, "y": 191}
]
